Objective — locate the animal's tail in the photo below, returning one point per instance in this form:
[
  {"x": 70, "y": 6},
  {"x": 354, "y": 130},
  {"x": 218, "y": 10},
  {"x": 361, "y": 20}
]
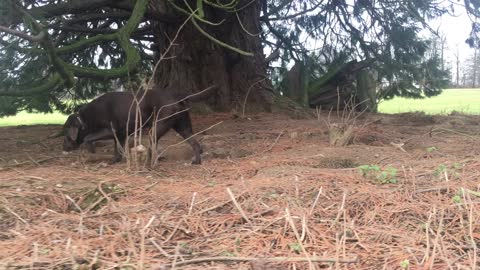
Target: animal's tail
[{"x": 202, "y": 95}]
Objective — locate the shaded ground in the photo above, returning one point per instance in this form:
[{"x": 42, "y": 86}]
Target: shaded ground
[{"x": 304, "y": 203}]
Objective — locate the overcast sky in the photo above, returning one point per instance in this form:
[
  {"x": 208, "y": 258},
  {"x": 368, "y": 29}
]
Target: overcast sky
[{"x": 456, "y": 29}]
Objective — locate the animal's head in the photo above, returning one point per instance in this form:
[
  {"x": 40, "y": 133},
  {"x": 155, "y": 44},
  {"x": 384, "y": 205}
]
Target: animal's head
[{"x": 71, "y": 131}]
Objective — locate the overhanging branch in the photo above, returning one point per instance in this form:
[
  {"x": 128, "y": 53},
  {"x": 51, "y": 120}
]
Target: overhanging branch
[
  {"x": 47, "y": 44},
  {"x": 122, "y": 37},
  {"x": 34, "y": 88},
  {"x": 23, "y": 35},
  {"x": 65, "y": 71},
  {"x": 143, "y": 30},
  {"x": 58, "y": 9},
  {"x": 98, "y": 16}
]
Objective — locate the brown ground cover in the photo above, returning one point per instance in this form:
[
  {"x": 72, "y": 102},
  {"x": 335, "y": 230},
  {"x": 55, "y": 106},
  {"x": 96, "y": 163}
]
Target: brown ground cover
[{"x": 271, "y": 194}]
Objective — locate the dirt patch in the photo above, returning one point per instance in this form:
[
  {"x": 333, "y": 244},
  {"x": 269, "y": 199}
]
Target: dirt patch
[
  {"x": 416, "y": 118},
  {"x": 271, "y": 193},
  {"x": 372, "y": 137},
  {"x": 336, "y": 163}
]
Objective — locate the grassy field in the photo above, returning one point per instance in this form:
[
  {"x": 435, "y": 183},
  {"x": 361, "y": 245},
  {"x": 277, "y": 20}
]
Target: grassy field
[
  {"x": 460, "y": 100},
  {"x": 24, "y": 118}
]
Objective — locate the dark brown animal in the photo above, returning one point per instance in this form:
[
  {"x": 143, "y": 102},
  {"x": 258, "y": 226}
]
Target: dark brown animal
[{"x": 112, "y": 116}]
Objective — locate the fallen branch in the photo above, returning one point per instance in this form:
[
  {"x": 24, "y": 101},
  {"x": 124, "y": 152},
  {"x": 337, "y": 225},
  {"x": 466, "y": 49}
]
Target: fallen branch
[
  {"x": 434, "y": 189},
  {"x": 263, "y": 260},
  {"x": 471, "y": 192}
]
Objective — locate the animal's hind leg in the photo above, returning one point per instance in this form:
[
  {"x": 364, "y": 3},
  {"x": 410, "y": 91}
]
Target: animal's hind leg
[
  {"x": 161, "y": 129},
  {"x": 183, "y": 126}
]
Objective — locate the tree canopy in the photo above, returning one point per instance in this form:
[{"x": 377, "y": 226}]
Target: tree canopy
[{"x": 54, "y": 53}]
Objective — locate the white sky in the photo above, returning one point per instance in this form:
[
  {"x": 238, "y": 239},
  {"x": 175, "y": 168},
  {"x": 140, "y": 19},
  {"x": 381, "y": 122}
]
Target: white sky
[{"x": 456, "y": 30}]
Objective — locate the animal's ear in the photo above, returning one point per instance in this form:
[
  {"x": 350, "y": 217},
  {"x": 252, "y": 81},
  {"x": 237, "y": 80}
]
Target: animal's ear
[{"x": 72, "y": 133}]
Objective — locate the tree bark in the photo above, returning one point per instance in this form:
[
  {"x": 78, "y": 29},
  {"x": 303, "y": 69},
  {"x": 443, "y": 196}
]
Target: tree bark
[
  {"x": 366, "y": 94},
  {"x": 196, "y": 62}
]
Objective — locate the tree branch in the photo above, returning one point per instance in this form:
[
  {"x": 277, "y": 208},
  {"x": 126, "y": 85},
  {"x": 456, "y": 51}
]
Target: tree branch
[
  {"x": 47, "y": 44},
  {"x": 85, "y": 43},
  {"x": 473, "y": 7},
  {"x": 99, "y": 16},
  {"x": 221, "y": 43},
  {"x": 81, "y": 6},
  {"x": 66, "y": 71},
  {"x": 12, "y": 45},
  {"x": 36, "y": 38},
  {"x": 282, "y": 39},
  {"x": 122, "y": 36},
  {"x": 143, "y": 30},
  {"x": 275, "y": 10},
  {"x": 53, "y": 10},
  {"x": 303, "y": 12},
  {"x": 30, "y": 90}
]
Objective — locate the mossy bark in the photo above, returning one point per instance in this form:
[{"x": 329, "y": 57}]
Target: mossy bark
[{"x": 64, "y": 72}]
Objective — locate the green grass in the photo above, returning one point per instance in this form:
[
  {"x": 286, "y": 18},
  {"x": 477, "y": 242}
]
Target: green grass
[
  {"x": 24, "y": 118},
  {"x": 461, "y": 100}
]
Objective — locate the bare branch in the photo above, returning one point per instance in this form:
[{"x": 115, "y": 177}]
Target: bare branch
[
  {"x": 139, "y": 31},
  {"x": 36, "y": 38}
]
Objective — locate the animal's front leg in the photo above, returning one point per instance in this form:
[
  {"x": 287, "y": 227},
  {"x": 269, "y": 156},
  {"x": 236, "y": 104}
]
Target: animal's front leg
[
  {"x": 90, "y": 147},
  {"x": 103, "y": 134},
  {"x": 117, "y": 153}
]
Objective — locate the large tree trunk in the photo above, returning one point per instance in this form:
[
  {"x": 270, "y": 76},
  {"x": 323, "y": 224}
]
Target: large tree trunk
[{"x": 198, "y": 62}]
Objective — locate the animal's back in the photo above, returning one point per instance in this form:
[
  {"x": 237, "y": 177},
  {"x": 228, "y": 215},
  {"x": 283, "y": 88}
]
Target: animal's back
[{"x": 109, "y": 108}]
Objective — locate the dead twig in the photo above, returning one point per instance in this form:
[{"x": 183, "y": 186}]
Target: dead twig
[
  {"x": 316, "y": 200},
  {"x": 299, "y": 239},
  {"x": 273, "y": 144},
  {"x": 232, "y": 197},
  {"x": 399, "y": 146},
  {"x": 6, "y": 167},
  {"x": 192, "y": 203},
  {"x": 164, "y": 253},
  {"x": 247, "y": 94},
  {"x": 220, "y": 204},
  {"x": 15, "y": 214}
]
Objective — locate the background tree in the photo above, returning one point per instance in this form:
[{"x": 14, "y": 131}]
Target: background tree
[
  {"x": 56, "y": 51},
  {"x": 472, "y": 69},
  {"x": 456, "y": 55}
]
